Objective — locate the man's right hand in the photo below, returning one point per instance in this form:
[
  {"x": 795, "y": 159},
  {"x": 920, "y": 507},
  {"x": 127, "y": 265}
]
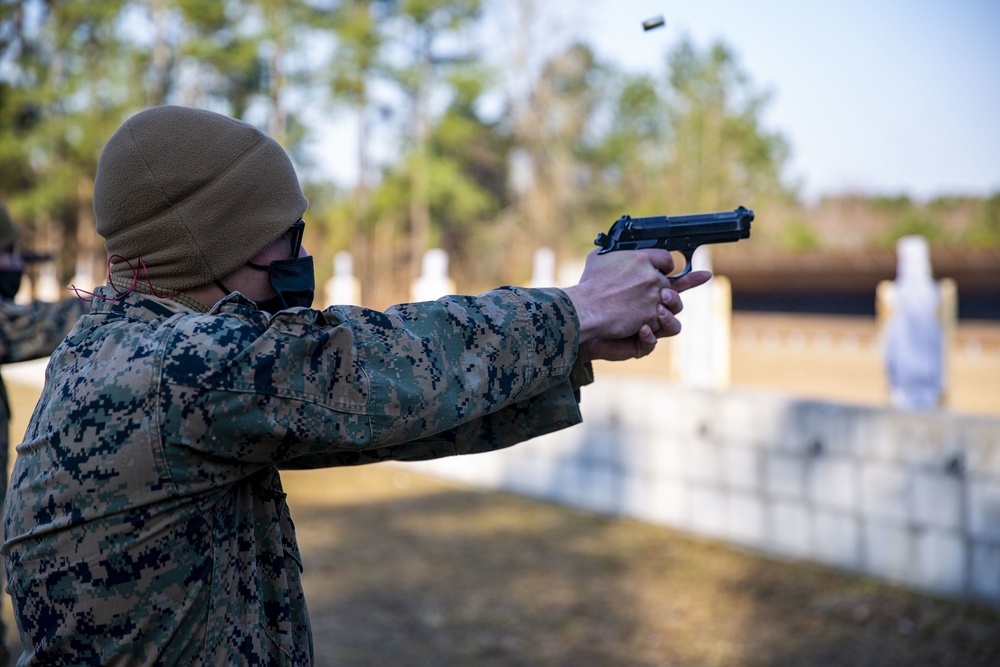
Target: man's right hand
[{"x": 625, "y": 302}]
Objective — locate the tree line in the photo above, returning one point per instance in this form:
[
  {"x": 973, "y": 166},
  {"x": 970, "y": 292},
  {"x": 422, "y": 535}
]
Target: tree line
[{"x": 454, "y": 149}]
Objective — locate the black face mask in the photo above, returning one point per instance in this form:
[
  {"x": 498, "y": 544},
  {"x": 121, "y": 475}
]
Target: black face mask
[
  {"x": 10, "y": 283},
  {"x": 293, "y": 282}
]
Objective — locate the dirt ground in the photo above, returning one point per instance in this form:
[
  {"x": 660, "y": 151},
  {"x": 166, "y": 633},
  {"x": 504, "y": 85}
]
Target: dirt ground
[{"x": 405, "y": 570}]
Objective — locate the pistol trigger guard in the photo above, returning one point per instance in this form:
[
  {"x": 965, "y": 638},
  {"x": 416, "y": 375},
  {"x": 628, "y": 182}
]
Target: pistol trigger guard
[{"x": 688, "y": 256}]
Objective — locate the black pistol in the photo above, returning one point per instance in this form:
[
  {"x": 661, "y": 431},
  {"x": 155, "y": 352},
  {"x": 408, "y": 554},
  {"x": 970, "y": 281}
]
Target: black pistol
[{"x": 680, "y": 233}]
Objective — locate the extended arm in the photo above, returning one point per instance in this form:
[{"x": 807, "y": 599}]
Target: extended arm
[{"x": 33, "y": 330}]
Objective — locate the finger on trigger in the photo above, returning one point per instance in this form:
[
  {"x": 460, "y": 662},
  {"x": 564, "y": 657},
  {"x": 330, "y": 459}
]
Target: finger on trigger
[{"x": 661, "y": 260}]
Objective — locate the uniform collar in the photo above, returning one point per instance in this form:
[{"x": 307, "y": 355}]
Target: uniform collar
[{"x": 108, "y": 299}]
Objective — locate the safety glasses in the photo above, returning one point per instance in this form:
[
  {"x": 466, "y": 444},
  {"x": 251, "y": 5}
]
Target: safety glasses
[{"x": 294, "y": 236}]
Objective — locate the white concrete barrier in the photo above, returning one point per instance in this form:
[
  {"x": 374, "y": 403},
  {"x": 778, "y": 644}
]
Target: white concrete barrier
[{"x": 910, "y": 497}]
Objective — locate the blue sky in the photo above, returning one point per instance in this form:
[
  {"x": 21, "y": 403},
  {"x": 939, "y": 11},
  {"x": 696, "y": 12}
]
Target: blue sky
[
  {"x": 876, "y": 97},
  {"x": 883, "y": 96}
]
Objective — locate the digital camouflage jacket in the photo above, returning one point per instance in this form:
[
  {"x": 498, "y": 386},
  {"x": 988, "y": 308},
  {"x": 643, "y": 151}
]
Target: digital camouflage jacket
[
  {"x": 146, "y": 522},
  {"x": 29, "y": 331}
]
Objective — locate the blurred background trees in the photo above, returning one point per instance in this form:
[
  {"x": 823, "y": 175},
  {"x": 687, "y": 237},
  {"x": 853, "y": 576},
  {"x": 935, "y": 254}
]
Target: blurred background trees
[{"x": 450, "y": 152}]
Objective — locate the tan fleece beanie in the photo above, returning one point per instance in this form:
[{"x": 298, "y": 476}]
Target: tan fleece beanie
[
  {"x": 192, "y": 193},
  {"x": 8, "y": 230}
]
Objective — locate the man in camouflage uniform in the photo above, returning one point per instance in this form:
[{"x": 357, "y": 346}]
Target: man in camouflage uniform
[
  {"x": 27, "y": 331},
  {"x": 146, "y": 522}
]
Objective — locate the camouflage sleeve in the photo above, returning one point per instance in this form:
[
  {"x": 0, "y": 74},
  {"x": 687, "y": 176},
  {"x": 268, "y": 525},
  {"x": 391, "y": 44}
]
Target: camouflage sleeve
[
  {"x": 34, "y": 330},
  {"x": 550, "y": 411},
  {"x": 496, "y": 350},
  {"x": 419, "y": 380}
]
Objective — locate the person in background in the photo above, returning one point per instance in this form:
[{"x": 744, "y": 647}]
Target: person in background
[
  {"x": 146, "y": 522},
  {"x": 27, "y": 331},
  {"x": 914, "y": 336}
]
